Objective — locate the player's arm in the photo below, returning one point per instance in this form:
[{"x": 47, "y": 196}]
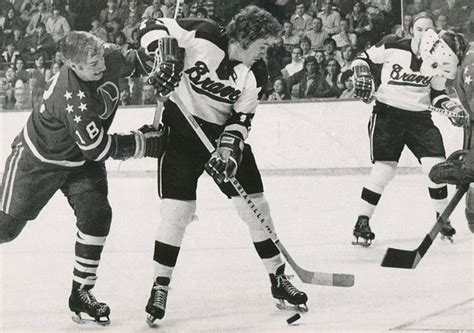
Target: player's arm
[
  {"x": 364, "y": 85},
  {"x": 440, "y": 99},
  {"x": 91, "y": 137},
  {"x": 226, "y": 158}
]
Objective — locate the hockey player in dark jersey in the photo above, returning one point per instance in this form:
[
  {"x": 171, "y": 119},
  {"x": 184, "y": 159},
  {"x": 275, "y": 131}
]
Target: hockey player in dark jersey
[
  {"x": 397, "y": 121},
  {"x": 459, "y": 167},
  {"x": 63, "y": 146},
  {"x": 222, "y": 77}
]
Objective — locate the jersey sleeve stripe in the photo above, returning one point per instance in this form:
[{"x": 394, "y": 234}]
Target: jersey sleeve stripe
[
  {"x": 69, "y": 164},
  {"x": 238, "y": 129},
  {"x": 106, "y": 150},
  {"x": 95, "y": 144}
]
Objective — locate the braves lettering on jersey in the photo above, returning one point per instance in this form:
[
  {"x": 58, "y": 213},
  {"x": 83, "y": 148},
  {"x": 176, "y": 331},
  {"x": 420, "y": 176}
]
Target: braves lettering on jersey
[
  {"x": 213, "y": 87},
  {"x": 402, "y": 84},
  {"x": 72, "y": 123}
]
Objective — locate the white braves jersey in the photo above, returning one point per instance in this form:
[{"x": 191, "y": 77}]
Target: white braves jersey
[
  {"x": 402, "y": 84},
  {"x": 213, "y": 87}
]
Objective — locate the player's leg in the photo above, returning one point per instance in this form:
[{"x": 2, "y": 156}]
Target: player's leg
[
  {"x": 250, "y": 179},
  {"x": 27, "y": 187},
  {"x": 86, "y": 191},
  {"x": 386, "y": 145},
  {"x": 426, "y": 143}
]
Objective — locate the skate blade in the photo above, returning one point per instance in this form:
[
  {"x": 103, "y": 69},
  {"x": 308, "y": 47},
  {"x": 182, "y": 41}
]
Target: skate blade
[
  {"x": 282, "y": 305},
  {"x": 450, "y": 238},
  {"x": 77, "y": 318},
  {"x": 150, "y": 320},
  {"x": 363, "y": 243}
]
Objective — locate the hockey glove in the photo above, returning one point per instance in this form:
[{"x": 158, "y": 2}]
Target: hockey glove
[
  {"x": 457, "y": 115},
  {"x": 170, "y": 67},
  {"x": 150, "y": 142},
  {"x": 226, "y": 158},
  {"x": 363, "y": 83},
  {"x": 456, "y": 170}
]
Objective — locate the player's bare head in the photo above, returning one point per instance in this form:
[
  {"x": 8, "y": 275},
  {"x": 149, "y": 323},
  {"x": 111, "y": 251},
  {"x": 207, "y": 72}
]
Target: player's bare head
[
  {"x": 456, "y": 41},
  {"x": 78, "y": 47},
  {"x": 422, "y": 20},
  {"x": 250, "y": 24}
]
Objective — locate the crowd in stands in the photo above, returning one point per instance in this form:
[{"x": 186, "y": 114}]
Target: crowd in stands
[{"x": 311, "y": 59}]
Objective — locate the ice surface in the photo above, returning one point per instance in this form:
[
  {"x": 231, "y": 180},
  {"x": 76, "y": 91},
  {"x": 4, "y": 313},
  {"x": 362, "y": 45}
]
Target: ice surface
[{"x": 220, "y": 285}]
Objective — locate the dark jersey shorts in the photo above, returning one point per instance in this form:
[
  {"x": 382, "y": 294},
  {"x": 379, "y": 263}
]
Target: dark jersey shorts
[
  {"x": 391, "y": 129},
  {"x": 29, "y": 184},
  {"x": 182, "y": 163}
]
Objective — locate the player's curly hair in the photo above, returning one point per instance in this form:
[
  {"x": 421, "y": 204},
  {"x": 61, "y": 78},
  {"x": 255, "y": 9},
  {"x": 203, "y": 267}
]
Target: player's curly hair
[
  {"x": 79, "y": 46},
  {"x": 250, "y": 24},
  {"x": 456, "y": 41}
]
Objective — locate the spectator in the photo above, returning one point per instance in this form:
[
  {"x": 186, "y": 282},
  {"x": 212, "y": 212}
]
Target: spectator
[
  {"x": 11, "y": 22},
  {"x": 442, "y": 22},
  {"x": 330, "y": 18},
  {"x": 328, "y": 85},
  {"x": 133, "y": 43},
  {"x": 348, "y": 55},
  {"x": 308, "y": 79},
  {"x": 9, "y": 88},
  {"x": 330, "y": 50},
  {"x": 277, "y": 58},
  {"x": 41, "y": 43},
  {"x": 201, "y": 13},
  {"x": 19, "y": 41},
  {"x": 457, "y": 14},
  {"x": 155, "y": 7},
  {"x": 316, "y": 34},
  {"x": 169, "y": 8},
  {"x": 305, "y": 45},
  {"x": 321, "y": 60},
  {"x": 134, "y": 6},
  {"x": 300, "y": 19},
  {"x": 38, "y": 79},
  {"x": 57, "y": 59},
  {"x": 344, "y": 37},
  {"x": 346, "y": 80},
  {"x": 149, "y": 97},
  {"x": 295, "y": 65},
  {"x": 404, "y": 31},
  {"x": 280, "y": 90},
  {"x": 57, "y": 25},
  {"x": 290, "y": 40},
  {"x": 20, "y": 71},
  {"x": 125, "y": 94},
  {"x": 110, "y": 14},
  {"x": 10, "y": 54},
  {"x": 98, "y": 30},
  {"x": 41, "y": 15},
  {"x": 416, "y": 7},
  {"x": 70, "y": 16},
  {"x": 130, "y": 25},
  {"x": 55, "y": 68},
  {"x": 22, "y": 95},
  {"x": 359, "y": 22},
  {"x": 120, "y": 41},
  {"x": 114, "y": 30}
]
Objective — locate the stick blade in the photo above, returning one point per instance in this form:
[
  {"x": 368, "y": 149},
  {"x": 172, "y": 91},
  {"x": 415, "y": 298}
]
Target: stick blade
[
  {"x": 397, "y": 258},
  {"x": 326, "y": 279}
]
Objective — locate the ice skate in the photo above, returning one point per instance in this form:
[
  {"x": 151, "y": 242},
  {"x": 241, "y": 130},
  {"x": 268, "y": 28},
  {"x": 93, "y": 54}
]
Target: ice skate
[
  {"x": 362, "y": 230},
  {"x": 284, "y": 291},
  {"x": 447, "y": 231},
  {"x": 156, "y": 305},
  {"x": 83, "y": 301}
]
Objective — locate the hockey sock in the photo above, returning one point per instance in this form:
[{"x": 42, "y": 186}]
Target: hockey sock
[
  {"x": 438, "y": 192},
  {"x": 265, "y": 247},
  {"x": 175, "y": 217},
  {"x": 87, "y": 250},
  {"x": 380, "y": 175}
]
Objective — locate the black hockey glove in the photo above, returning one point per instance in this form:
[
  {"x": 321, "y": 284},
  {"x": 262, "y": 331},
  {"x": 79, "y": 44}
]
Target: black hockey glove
[
  {"x": 457, "y": 115},
  {"x": 151, "y": 142},
  {"x": 363, "y": 83},
  {"x": 226, "y": 158},
  {"x": 456, "y": 170},
  {"x": 170, "y": 67}
]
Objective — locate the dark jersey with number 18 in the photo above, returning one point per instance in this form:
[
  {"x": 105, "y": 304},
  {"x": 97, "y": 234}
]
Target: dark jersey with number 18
[{"x": 71, "y": 125}]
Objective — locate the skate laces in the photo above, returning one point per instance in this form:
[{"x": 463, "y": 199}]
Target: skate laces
[
  {"x": 159, "y": 298},
  {"x": 88, "y": 297},
  {"x": 282, "y": 281}
]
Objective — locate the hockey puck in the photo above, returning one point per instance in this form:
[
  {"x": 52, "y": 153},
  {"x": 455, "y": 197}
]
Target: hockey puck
[{"x": 293, "y": 318}]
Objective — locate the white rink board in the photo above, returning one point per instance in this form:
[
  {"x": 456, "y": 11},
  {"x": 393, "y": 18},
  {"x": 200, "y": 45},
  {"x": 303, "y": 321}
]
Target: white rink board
[{"x": 307, "y": 135}]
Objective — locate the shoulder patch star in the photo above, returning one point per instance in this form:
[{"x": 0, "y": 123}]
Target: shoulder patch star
[
  {"x": 81, "y": 94},
  {"x": 77, "y": 119},
  {"x": 69, "y": 108},
  {"x": 467, "y": 79},
  {"x": 68, "y": 95},
  {"x": 82, "y": 107}
]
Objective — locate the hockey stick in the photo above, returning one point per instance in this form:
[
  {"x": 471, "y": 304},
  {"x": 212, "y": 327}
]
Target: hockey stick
[
  {"x": 397, "y": 258},
  {"x": 324, "y": 279}
]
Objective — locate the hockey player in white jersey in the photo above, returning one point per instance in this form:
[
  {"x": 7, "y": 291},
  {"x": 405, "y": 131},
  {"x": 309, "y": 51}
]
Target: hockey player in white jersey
[
  {"x": 395, "y": 123},
  {"x": 218, "y": 80}
]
